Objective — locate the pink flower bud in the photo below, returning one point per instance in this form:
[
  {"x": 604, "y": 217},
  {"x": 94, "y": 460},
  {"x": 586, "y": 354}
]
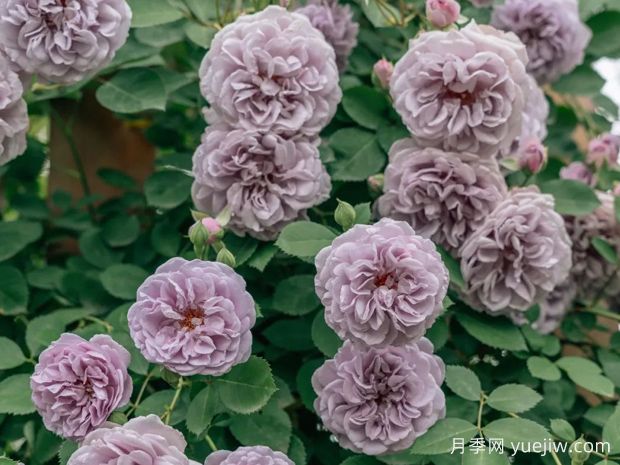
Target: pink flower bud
[
  {"x": 383, "y": 70},
  {"x": 213, "y": 227},
  {"x": 532, "y": 155},
  {"x": 442, "y": 13},
  {"x": 577, "y": 171},
  {"x": 604, "y": 149}
]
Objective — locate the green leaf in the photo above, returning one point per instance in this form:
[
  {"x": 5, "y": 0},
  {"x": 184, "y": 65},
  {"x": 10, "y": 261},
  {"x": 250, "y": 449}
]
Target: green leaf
[
  {"x": 365, "y": 105},
  {"x": 571, "y": 197},
  {"x": 146, "y": 13},
  {"x": 610, "y": 362},
  {"x": 296, "y": 451},
  {"x": 13, "y": 291},
  {"x": 586, "y": 374},
  {"x": 484, "y": 457},
  {"x": 516, "y": 430},
  {"x": 263, "y": 256},
  {"x": 122, "y": 281},
  {"x": 514, "y": 398},
  {"x": 132, "y": 91},
  {"x": 376, "y": 14},
  {"x": 360, "y": 460},
  {"x": 611, "y": 431},
  {"x": 138, "y": 363},
  {"x": 617, "y": 208},
  {"x": 95, "y": 251},
  {"x": 12, "y": 356},
  {"x": 439, "y": 439},
  {"x": 271, "y": 427},
  {"x": 453, "y": 266},
  {"x": 304, "y": 384},
  {"x": 43, "y": 330},
  {"x": 563, "y": 429},
  {"x": 247, "y": 387},
  {"x": 15, "y": 395},
  {"x": 295, "y": 295},
  {"x": 167, "y": 189},
  {"x": 304, "y": 238},
  {"x": 324, "y": 338},
  {"x": 363, "y": 215},
  {"x": 66, "y": 451},
  {"x": 605, "y": 250},
  {"x": 7, "y": 461},
  {"x": 360, "y": 155},
  {"x": 16, "y": 235},
  {"x": 604, "y": 41},
  {"x": 463, "y": 382},
  {"x": 157, "y": 403},
  {"x": 493, "y": 331},
  {"x": 202, "y": 409},
  {"x": 161, "y": 36},
  {"x": 116, "y": 178},
  {"x": 199, "y": 34},
  {"x": 543, "y": 368},
  {"x": 582, "y": 81},
  {"x": 291, "y": 335},
  {"x": 121, "y": 230}
]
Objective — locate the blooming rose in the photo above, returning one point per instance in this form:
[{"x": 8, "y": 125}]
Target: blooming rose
[
  {"x": 604, "y": 149},
  {"x": 555, "y": 37},
  {"x": 265, "y": 180},
  {"x": 554, "y": 307},
  {"x": 517, "y": 256},
  {"x": 140, "y": 441},
  {"x": 77, "y": 384},
  {"x": 577, "y": 171},
  {"x": 13, "y": 113},
  {"x": 336, "y": 23},
  {"x": 255, "y": 455},
  {"x": 378, "y": 401},
  {"x": 463, "y": 91},
  {"x": 193, "y": 317},
  {"x": 381, "y": 284},
  {"x": 271, "y": 71},
  {"x": 535, "y": 113},
  {"x": 63, "y": 41},
  {"x": 442, "y": 13},
  {"x": 444, "y": 196}
]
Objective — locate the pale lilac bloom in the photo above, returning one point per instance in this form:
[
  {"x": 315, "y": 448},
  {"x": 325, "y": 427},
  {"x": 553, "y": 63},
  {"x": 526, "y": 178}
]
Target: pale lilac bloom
[
  {"x": 13, "y": 114},
  {"x": 254, "y": 455}
]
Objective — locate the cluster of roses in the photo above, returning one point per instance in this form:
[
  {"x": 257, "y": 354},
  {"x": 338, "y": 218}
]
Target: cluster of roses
[
  {"x": 271, "y": 79},
  {"x": 59, "y": 42}
]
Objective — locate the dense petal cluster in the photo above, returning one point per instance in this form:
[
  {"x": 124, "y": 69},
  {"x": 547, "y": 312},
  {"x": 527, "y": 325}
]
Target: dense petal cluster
[
  {"x": 77, "y": 384},
  {"x": 554, "y": 307},
  {"x": 378, "y": 401},
  {"x": 517, "y": 256},
  {"x": 381, "y": 284},
  {"x": 444, "y": 196},
  {"x": 255, "y": 455},
  {"x": 463, "y": 90},
  {"x": 141, "y": 441},
  {"x": 193, "y": 317},
  {"x": 535, "y": 113},
  {"x": 591, "y": 272},
  {"x": 265, "y": 180},
  {"x": 271, "y": 71},
  {"x": 552, "y": 31},
  {"x": 336, "y": 23},
  {"x": 63, "y": 41},
  {"x": 13, "y": 114}
]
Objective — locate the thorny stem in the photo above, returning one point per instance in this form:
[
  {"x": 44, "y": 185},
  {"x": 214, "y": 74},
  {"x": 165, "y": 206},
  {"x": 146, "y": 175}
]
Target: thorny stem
[{"x": 177, "y": 394}]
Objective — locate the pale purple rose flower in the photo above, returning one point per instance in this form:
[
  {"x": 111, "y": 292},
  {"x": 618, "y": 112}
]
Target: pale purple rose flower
[
  {"x": 254, "y": 455},
  {"x": 271, "y": 71},
  {"x": 13, "y": 114},
  {"x": 517, "y": 256},
  {"x": 444, "y": 196},
  {"x": 336, "y": 23},
  {"x": 77, "y": 384},
  {"x": 554, "y": 307},
  {"x": 379, "y": 401},
  {"x": 140, "y": 441},
  {"x": 463, "y": 90},
  {"x": 552, "y": 31},
  {"x": 63, "y": 41},
  {"x": 604, "y": 149},
  {"x": 381, "y": 284},
  {"x": 535, "y": 113},
  {"x": 578, "y": 171},
  {"x": 193, "y": 317},
  {"x": 442, "y": 13},
  {"x": 266, "y": 181}
]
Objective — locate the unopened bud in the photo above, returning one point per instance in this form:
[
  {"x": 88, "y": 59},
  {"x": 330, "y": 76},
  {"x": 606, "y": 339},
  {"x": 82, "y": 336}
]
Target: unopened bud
[
  {"x": 226, "y": 257},
  {"x": 577, "y": 452},
  {"x": 532, "y": 155},
  {"x": 442, "y": 13},
  {"x": 345, "y": 215},
  {"x": 375, "y": 184},
  {"x": 383, "y": 71}
]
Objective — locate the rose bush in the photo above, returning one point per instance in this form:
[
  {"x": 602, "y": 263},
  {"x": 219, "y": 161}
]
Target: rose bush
[{"x": 323, "y": 232}]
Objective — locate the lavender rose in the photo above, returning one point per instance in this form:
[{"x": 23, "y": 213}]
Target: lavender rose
[
  {"x": 63, "y": 41},
  {"x": 535, "y": 113},
  {"x": 517, "y": 256},
  {"x": 77, "y": 384},
  {"x": 578, "y": 171},
  {"x": 443, "y": 195},
  {"x": 467, "y": 97},
  {"x": 604, "y": 149},
  {"x": 381, "y": 284},
  {"x": 13, "y": 114},
  {"x": 265, "y": 180},
  {"x": 554, "y": 307},
  {"x": 378, "y": 401},
  {"x": 140, "y": 441},
  {"x": 336, "y": 23},
  {"x": 555, "y": 37},
  {"x": 271, "y": 71},
  {"x": 193, "y": 317},
  {"x": 255, "y": 455}
]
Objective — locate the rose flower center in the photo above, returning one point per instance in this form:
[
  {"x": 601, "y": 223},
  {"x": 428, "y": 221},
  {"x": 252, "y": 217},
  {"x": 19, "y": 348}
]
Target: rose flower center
[
  {"x": 466, "y": 98},
  {"x": 387, "y": 279},
  {"x": 193, "y": 317}
]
